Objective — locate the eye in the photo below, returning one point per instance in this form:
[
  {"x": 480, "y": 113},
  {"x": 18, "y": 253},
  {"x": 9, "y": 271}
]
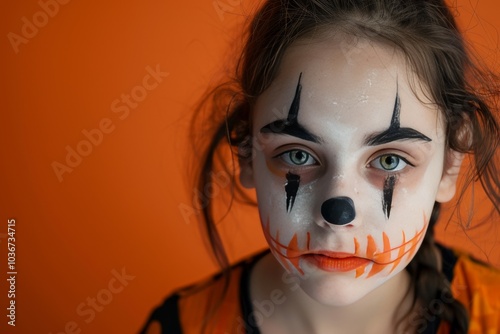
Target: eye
[
  {"x": 389, "y": 162},
  {"x": 298, "y": 158}
]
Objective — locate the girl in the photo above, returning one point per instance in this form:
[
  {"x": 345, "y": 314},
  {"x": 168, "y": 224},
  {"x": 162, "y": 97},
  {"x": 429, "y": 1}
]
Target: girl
[{"x": 351, "y": 119}]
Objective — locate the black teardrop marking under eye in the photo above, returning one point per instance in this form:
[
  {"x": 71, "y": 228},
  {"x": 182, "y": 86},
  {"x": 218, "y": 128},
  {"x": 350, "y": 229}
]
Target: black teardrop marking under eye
[
  {"x": 291, "y": 188},
  {"x": 338, "y": 210},
  {"x": 389, "y": 184}
]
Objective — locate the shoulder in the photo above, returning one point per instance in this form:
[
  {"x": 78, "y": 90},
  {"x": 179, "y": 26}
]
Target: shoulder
[
  {"x": 164, "y": 316},
  {"x": 477, "y": 286},
  {"x": 216, "y": 301},
  {"x": 471, "y": 276}
]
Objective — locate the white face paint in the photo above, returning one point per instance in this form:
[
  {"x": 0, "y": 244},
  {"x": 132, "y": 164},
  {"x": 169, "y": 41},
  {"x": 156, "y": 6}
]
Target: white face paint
[{"x": 344, "y": 102}]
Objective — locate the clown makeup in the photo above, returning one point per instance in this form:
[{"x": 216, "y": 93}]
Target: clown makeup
[
  {"x": 291, "y": 188},
  {"x": 393, "y": 133},
  {"x": 291, "y": 126},
  {"x": 367, "y": 187},
  {"x": 389, "y": 183},
  {"x": 381, "y": 256}
]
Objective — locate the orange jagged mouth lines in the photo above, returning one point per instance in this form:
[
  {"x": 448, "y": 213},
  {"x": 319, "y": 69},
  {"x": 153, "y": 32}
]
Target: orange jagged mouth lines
[
  {"x": 341, "y": 261},
  {"x": 379, "y": 257}
]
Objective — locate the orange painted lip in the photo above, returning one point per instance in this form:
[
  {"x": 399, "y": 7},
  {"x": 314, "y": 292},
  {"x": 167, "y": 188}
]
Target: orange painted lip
[{"x": 336, "y": 262}]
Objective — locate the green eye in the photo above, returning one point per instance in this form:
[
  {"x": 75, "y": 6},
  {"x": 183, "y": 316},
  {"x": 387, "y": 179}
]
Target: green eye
[
  {"x": 389, "y": 162},
  {"x": 298, "y": 158}
]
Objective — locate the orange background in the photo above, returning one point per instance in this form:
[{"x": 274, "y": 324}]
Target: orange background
[{"x": 119, "y": 208}]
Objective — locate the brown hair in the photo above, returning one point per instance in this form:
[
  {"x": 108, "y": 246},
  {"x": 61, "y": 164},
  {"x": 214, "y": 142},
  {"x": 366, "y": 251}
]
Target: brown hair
[{"x": 427, "y": 35}]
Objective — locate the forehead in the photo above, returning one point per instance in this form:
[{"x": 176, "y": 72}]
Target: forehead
[{"x": 346, "y": 83}]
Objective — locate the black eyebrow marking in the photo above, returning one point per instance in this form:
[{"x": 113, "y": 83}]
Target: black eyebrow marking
[
  {"x": 291, "y": 126},
  {"x": 395, "y": 132}
]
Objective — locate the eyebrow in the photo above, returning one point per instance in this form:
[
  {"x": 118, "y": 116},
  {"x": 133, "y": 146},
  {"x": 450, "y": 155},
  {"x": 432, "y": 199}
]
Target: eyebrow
[
  {"x": 291, "y": 126},
  {"x": 395, "y": 132}
]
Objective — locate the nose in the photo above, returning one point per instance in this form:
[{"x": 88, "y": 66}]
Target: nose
[{"x": 338, "y": 210}]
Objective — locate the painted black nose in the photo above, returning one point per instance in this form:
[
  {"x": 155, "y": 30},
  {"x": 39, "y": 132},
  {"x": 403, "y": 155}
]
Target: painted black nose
[{"x": 338, "y": 210}]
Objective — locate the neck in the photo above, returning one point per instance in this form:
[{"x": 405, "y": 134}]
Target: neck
[{"x": 378, "y": 312}]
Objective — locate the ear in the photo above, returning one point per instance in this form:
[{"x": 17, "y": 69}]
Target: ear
[
  {"x": 448, "y": 184},
  {"x": 246, "y": 170}
]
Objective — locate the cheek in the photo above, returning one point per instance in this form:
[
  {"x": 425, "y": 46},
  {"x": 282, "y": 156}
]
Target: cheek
[
  {"x": 415, "y": 192},
  {"x": 413, "y": 195},
  {"x": 281, "y": 190},
  {"x": 287, "y": 252},
  {"x": 269, "y": 185},
  {"x": 273, "y": 201},
  {"x": 391, "y": 250},
  {"x": 286, "y": 232},
  {"x": 408, "y": 222},
  {"x": 423, "y": 182},
  {"x": 271, "y": 195}
]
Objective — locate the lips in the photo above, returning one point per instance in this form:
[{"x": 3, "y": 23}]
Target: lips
[{"x": 335, "y": 262}]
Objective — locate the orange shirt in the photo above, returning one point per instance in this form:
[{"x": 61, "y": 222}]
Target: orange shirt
[
  {"x": 474, "y": 284},
  {"x": 477, "y": 287}
]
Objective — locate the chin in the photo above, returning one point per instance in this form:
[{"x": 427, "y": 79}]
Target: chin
[
  {"x": 334, "y": 291},
  {"x": 338, "y": 289}
]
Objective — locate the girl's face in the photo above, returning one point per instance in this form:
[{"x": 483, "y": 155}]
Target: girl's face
[{"x": 347, "y": 164}]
